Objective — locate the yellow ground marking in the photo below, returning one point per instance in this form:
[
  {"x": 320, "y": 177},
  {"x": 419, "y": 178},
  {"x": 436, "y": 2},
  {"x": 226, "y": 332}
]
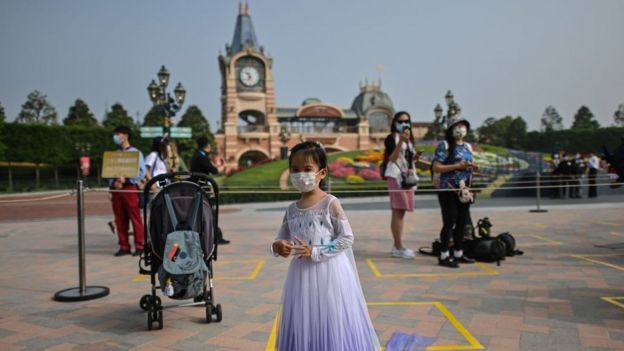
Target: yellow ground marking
[
  {"x": 539, "y": 237},
  {"x": 251, "y": 276},
  {"x": 272, "y": 344},
  {"x": 586, "y": 258},
  {"x": 485, "y": 271},
  {"x": 139, "y": 278},
  {"x": 473, "y": 343},
  {"x": 616, "y": 233},
  {"x": 614, "y": 301},
  {"x": 487, "y": 191}
]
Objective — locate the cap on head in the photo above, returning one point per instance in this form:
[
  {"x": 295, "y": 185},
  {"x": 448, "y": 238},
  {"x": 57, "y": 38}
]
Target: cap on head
[{"x": 451, "y": 122}]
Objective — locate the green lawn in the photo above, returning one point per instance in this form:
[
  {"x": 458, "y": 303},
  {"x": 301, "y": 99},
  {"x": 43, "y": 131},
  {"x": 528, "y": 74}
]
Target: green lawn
[{"x": 266, "y": 176}]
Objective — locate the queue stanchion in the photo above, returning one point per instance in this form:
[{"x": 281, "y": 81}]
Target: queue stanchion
[
  {"x": 82, "y": 292},
  {"x": 538, "y": 196}
]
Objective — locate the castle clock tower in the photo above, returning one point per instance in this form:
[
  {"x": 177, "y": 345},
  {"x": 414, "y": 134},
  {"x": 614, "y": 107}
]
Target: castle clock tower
[{"x": 248, "y": 115}]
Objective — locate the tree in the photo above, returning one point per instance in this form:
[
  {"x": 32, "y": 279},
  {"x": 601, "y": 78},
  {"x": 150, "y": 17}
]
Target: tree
[
  {"x": 154, "y": 117},
  {"x": 2, "y": 119},
  {"x": 516, "y": 133},
  {"x": 118, "y": 116},
  {"x": 487, "y": 131},
  {"x": 80, "y": 115},
  {"x": 37, "y": 110},
  {"x": 507, "y": 131},
  {"x": 551, "y": 120},
  {"x": 618, "y": 116},
  {"x": 2, "y": 115},
  {"x": 194, "y": 118},
  {"x": 584, "y": 119}
]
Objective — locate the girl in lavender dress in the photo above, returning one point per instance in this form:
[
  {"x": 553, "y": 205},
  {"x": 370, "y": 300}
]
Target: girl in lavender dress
[{"x": 323, "y": 307}]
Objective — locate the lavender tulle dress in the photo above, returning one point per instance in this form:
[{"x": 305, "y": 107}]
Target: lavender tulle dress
[{"x": 323, "y": 307}]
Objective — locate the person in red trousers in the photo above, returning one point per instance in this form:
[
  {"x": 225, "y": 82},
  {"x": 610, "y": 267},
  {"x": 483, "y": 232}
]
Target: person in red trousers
[{"x": 125, "y": 199}]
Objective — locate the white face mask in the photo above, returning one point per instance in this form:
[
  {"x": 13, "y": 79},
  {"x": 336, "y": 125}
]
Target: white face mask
[
  {"x": 459, "y": 132},
  {"x": 304, "y": 181}
]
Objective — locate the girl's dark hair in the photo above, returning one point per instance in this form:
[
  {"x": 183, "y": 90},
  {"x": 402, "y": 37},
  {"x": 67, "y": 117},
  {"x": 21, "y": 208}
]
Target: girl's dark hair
[
  {"x": 393, "y": 129},
  {"x": 450, "y": 140},
  {"x": 313, "y": 150},
  {"x": 159, "y": 145}
]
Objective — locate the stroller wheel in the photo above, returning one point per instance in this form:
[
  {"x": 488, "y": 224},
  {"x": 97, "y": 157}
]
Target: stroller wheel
[
  {"x": 145, "y": 302},
  {"x": 157, "y": 302},
  {"x": 208, "y": 313},
  {"x": 149, "y": 320},
  {"x": 219, "y": 313}
]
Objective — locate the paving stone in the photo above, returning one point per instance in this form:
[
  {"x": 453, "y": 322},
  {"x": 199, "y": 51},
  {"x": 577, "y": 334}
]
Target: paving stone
[{"x": 543, "y": 300}]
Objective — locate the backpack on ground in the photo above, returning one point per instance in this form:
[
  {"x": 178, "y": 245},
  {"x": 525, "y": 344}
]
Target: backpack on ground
[
  {"x": 485, "y": 250},
  {"x": 510, "y": 244},
  {"x": 183, "y": 272}
]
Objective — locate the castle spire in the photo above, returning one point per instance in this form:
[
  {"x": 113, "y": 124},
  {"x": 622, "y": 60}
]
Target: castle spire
[{"x": 244, "y": 33}]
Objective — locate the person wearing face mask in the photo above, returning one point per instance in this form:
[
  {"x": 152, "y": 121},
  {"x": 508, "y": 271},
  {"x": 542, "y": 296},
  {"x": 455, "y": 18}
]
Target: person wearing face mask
[
  {"x": 453, "y": 160},
  {"x": 399, "y": 158},
  {"x": 323, "y": 307},
  {"x": 126, "y": 198}
]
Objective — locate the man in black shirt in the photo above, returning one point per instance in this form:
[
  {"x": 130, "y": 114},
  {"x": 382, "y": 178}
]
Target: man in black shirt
[
  {"x": 201, "y": 163},
  {"x": 201, "y": 160}
]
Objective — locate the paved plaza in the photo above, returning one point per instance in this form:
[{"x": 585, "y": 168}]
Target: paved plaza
[{"x": 564, "y": 293}]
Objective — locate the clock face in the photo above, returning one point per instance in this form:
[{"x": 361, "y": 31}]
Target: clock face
[{"x": 249, "y": 76}]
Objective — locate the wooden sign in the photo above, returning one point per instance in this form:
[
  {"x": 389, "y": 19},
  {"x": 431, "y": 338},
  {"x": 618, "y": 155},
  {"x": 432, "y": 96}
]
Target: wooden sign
[{"x": 116, "y": 164}]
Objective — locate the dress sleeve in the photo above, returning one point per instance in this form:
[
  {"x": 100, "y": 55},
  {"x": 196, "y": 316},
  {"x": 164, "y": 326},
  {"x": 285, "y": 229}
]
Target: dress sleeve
[
  {"x": 282, "y": 234},
  {"x": 342, "y": 238}
]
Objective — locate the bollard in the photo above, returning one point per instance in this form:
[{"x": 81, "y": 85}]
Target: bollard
[
  {"x": 537, "y": 188},
  {"x": 82, "y": 292}
]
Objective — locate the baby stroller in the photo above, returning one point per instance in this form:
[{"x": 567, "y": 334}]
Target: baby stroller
[{"x": 187, "y": 203}]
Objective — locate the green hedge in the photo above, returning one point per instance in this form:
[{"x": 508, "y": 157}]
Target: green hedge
[
  {"x": 574, "y": 140},
  {"x": 55, "y": 145}
]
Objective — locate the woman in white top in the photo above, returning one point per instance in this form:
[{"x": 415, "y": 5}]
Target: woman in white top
[
  {"x": 156, "y": 161},
  {"x": 399, "y": 158}
]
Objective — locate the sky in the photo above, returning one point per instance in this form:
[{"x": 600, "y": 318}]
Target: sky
[{"x": 498, "y": 57}]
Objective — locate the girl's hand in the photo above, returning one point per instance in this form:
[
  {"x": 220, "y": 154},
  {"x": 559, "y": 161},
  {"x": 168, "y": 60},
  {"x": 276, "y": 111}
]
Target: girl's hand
[
  {"x": 282, "y": 247},
  {"x": 302, "y": 250},
  {"x": 475, "y": 167}
]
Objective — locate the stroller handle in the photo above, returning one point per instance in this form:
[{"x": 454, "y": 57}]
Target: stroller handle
[{"x": 191, "y": 176}]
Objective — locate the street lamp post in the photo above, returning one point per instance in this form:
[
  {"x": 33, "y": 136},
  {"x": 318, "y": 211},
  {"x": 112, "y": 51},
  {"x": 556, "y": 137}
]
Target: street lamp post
[
  {"x": 452, "y": 109},
  {"x": 167, "y": 106}
]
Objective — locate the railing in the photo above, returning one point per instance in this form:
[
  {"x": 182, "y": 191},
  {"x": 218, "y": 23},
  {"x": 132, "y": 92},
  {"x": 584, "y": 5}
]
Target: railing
[
  {"x": 253, "y": 129},
  {"x": 322, "y": 129}
]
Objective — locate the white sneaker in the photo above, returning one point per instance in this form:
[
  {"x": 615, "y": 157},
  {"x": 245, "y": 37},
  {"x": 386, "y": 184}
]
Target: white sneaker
[{"x": 403, "y": 252}]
